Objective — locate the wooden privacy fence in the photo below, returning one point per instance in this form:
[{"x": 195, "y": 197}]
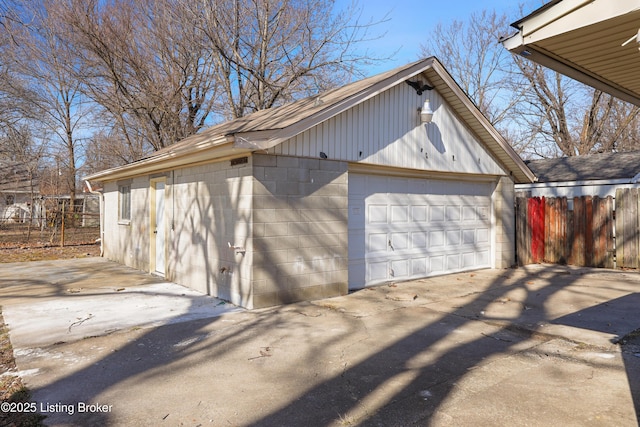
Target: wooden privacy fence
[{"x": 592, "y": 233}]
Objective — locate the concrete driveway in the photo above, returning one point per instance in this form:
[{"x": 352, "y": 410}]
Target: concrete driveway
[
  {"x": 531, "y": 346},
  {"x": 63, "y": 301}
]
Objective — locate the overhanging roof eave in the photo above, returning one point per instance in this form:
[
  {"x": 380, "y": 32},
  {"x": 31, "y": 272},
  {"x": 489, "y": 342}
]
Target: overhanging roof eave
[
  {"x": 531, "y": 53},
  {"x": 168, "y": 160},
  {"x": 552, "y": 37}
]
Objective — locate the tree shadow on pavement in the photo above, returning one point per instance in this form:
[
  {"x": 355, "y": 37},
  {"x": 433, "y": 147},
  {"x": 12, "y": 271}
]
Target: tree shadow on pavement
[
  {"x": 353, "y": 360},
  {"x": 409, "y": 381},
  {"x": 131, "y": 359}
]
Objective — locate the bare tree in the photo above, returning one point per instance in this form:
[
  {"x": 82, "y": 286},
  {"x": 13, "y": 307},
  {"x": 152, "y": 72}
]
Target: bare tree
[
  {"x": 104, "y": 149},
  {"x": 623, "y": 131},
  {"x": 540, "y": 112},
  {"x": 163, "y": 69},
  {"x": 471, "y": 53},
  {"x": 9, "y": 84},
  {"x": 575, "y": 118},
  {"x": 156, "y": 71},
  {"x": 147, "y": 68},
  {"x": 23, "y": 158},
  {"x": 271, "y": 52},
  {"x": 51, "y": 97}
]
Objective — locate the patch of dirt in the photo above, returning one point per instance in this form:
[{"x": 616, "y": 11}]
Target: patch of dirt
[
  {"x": 23, "y": 236},
  {"x": 47, "y": 253},
  {"x": 20, "y": 243}
]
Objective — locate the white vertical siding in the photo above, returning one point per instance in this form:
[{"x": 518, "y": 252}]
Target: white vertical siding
[{"x": 386, "y": 129}]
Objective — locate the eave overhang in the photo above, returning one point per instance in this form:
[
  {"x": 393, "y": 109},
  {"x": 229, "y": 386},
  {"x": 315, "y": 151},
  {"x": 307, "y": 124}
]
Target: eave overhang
[{"x": 585, "y": 40}]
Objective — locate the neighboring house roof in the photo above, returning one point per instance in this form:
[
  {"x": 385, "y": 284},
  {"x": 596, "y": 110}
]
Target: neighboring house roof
[
  {"x": 584, "y": 39},
  {"x": 605, "y": 166},
  {"x": 268, "y": 128}
]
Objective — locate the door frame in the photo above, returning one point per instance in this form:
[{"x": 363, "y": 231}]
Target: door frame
[{"x": 153, "y": 183}]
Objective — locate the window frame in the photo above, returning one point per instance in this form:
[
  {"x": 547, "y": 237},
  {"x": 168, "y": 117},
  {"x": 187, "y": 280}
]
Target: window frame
[{"x": 124, "y": 203}]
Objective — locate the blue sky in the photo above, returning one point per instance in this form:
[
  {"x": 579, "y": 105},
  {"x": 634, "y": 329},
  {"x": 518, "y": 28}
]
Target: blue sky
[{"x": 411, "y": 21}]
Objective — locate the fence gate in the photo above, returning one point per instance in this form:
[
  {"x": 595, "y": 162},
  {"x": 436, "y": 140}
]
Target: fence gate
[
  {"x": 627, "y": 227},
  {"x": 578, "y": 231}
]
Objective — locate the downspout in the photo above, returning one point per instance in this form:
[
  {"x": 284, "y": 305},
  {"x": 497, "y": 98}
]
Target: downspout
[{"x": 101, "y": 201}]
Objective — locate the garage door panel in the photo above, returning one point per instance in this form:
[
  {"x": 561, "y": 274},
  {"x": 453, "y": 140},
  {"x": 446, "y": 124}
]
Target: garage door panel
[
  {"x": 483, "y": 213},
  {"x": 468, "y": 259},
  {"x": 452, "y": 238},
  {"x": 419, "y": 267},
  {"x": 468, "y": 237},
  {"x": 399, "y": 214},
  {"x": 417, "y": 227},
  {"x": 436, "y": 239},
  {"x": 419, "y": 240},
  {"x": 452, "y": 213},
  {"x": 419, "y": 213},
  {"x": 377, "y": 243},
  {"x": 399, "y": 241},
  {"x": 400, "y": 268},
  {"x": 469, "y": 213},
  {"x": 377, "y": 214},
  {"x": 453, "y": 262},
  {"x": 483, "y": 257},
  {"x": 436, "y": 213},
  {"x": 437, "y": 264},
  {"x": 377, "y": 271}
]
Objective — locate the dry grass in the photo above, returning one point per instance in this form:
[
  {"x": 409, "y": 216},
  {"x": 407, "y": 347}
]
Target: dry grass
[
  {"x": 48, "y": 253},
  {"x": 17, "y": 244},
  {"x": 23, "y": 236}
]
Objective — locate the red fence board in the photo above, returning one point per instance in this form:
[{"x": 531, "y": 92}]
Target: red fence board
[{"x": 536, "y": 222}]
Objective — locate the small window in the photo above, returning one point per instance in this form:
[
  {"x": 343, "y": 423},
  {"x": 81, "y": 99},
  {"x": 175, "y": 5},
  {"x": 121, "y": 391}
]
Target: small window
[
  {"x": 124, "y": 193},
  {"x": 9, "y": 200}
]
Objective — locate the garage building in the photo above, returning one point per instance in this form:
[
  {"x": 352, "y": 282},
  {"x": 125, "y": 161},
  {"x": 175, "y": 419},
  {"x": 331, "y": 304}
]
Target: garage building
[{"x": 358, "y": 186}]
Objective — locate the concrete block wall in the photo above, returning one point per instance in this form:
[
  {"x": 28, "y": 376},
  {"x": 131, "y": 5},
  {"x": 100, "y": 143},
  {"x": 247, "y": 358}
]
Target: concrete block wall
[
  {"x": 299, "y": 244},
  {"x": 211, "y": 209},
  {"x": 505, "y": 227},
  {"x": 127, "y": 242}
]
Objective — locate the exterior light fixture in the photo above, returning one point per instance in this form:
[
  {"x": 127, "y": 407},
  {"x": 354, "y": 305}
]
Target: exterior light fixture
[{"x": 426, "y": 113}]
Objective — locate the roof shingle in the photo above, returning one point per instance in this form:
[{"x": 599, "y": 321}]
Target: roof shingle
[{"x": 590, "y": 167}]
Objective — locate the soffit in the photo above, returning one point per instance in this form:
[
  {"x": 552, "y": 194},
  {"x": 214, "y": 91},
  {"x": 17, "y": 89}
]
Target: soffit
[{"x": 583, "y": 39}]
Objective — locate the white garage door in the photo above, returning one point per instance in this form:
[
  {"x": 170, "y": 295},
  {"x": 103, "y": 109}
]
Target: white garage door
[{"x": 406, "y": 228}]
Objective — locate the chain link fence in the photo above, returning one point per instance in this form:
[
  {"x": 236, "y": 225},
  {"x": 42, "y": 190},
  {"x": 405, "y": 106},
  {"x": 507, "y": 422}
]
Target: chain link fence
[{"x": 52, "y": 224}]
